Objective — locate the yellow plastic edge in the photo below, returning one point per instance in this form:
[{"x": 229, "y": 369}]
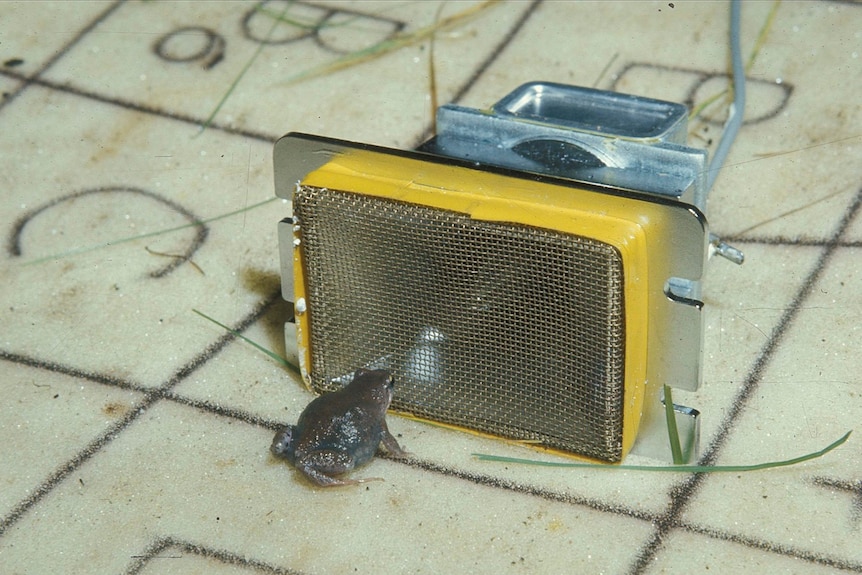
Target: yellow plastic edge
[
  {"x": 303, "y": 347},
  {"x": 614, "y": 220}
]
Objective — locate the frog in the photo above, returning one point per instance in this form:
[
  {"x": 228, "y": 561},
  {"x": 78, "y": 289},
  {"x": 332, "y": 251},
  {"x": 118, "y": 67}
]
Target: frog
[{"x": 341, "y": 430}]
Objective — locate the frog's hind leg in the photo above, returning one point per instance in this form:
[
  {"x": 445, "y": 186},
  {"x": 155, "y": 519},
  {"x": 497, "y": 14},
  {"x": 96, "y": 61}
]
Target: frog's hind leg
[
  {"x": 354, "y": 481},
  {"x": 323, "y": 480},
  {"x": 320, "y": 468}
]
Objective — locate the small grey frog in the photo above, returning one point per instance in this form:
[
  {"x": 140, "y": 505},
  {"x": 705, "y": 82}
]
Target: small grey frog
[{"x": 341, "y": 430}]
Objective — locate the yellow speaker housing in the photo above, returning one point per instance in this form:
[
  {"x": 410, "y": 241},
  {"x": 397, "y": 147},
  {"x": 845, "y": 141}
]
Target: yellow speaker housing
[{"x": 532, "y": 308}]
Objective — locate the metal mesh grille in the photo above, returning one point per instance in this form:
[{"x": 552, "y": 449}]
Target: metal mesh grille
[{"x": 508, "y": 329}]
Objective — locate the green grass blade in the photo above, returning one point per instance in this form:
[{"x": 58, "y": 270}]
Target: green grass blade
[
  {"x": 758, "y": 45},
  {"x": 672, "y": 468},
  {"x": 389, "y": 45},
  {"x": 118, "y": 241},
  {"x": 236, "y": 81},
  {"x": 672, "y": 431},
  {"x": 270, "y": 353}
]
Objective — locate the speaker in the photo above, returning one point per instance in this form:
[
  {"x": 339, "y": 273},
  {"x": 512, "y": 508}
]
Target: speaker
[{"x": 525, "y": 306}]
